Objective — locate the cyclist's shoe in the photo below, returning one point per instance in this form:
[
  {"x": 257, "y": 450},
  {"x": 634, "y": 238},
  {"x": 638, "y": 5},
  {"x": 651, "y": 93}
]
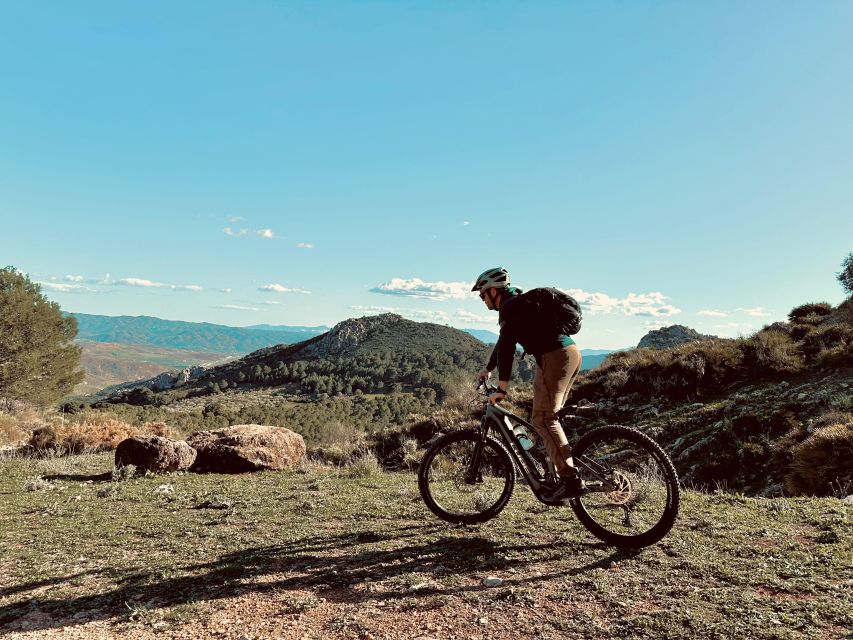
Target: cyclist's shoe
[{"x": 571, "y": 487}]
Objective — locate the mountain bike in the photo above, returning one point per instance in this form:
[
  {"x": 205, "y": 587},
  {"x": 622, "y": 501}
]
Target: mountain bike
[{"x": 632, "y": 493}]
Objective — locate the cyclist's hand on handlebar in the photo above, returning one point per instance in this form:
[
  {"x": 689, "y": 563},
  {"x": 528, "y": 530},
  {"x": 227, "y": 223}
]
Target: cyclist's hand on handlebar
[{"x": 496, "y": 396}]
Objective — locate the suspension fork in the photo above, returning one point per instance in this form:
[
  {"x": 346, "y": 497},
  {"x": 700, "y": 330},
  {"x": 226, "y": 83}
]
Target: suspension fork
[{"x": 473, "y": 474}]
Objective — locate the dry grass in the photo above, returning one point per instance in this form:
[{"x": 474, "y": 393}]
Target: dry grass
[
  {"x": 365, "y": 465},
  {"x": 96, "y": 432},
  {"x": 10, "y": 431}
]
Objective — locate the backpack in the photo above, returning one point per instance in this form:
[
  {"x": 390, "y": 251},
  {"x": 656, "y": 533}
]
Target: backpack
[{"x": 563, "y": 310}]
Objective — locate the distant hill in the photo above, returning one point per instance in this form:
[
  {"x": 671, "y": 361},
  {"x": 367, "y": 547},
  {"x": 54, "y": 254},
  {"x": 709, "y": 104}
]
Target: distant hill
[
  {"x": 108, "y": 364},
  {"x": 483, "y": 335},
  {"x": 310, "y": 331},
  {"x": 194, "y": 336},
  {"x": 591, "y": 357}
]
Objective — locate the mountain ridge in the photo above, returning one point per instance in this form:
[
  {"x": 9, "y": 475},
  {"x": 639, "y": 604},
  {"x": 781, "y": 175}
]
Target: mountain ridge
[{"x": 178, "y": 334}]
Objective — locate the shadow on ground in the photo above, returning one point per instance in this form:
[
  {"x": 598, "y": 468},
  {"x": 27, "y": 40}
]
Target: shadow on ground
[{"x": 326, "y": 563}]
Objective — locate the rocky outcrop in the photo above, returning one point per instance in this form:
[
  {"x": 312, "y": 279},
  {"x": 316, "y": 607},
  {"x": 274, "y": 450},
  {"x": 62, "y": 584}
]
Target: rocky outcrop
[
  {"x": 246, "y": 447},
  {"x": 155, "y": 454},
  {"x": 671, "y": 336},
  {"x": 349, "y": 334}
]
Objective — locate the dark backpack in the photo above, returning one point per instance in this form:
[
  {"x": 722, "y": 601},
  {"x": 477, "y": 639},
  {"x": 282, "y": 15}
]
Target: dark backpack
[{"x": 563, "y": 310}]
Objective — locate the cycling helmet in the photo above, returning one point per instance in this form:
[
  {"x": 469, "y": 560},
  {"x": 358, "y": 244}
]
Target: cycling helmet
[{"x": 497, "y": 277}]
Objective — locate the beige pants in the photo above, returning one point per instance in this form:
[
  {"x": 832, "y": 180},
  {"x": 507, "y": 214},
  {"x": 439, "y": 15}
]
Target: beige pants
[{"x": 551, "y": 386}]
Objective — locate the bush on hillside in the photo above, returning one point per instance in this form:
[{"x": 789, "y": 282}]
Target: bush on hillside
[
  {"x": 771, "y": 353},
  {"x": 810, "y": 313},
  {"x": 678, "y": 373},
  {"x": 830, "y": 345},
  {"x": 820, "y": 465}
]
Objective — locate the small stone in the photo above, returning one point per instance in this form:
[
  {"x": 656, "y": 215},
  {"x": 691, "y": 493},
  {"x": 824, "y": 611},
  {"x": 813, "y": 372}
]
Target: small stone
[
  {"x": 483, "y": 621},
  {"x": 492, "y": 581}
]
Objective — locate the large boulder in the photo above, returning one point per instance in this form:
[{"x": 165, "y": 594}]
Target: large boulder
[
  {"x": 154, "y": 453},
  {"x": 246, "y": 447}
]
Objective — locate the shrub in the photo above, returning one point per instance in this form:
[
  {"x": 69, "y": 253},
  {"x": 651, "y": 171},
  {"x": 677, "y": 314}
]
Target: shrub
[
  {"x": 771, "y": 352},
  {"x": 810, "y": 313},
  {"x": 364, "y": 466},
  {"x": 830, "y": 345},
  {"x": 821, "y": 461}
]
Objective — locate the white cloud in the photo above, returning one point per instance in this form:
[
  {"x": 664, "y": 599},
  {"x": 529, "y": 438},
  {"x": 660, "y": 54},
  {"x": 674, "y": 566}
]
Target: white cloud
[
  {"x": 235, "y": 218},
  {"x": 467, "y": 316},
  {"x": 234, "y": 307},
  {"x": 278, "y": 288},
  {"x": 236, "y": 233},
  {"x": 74, "y": 278},
  {"x": 227, "y": 290},
  {"x": 304, "y": 245},
  {"x": 139, "y": 282},
  {"x": 423, "y": 314},
  {"x": 713, "y": 313},
  {"x": 270, "y": 302},
  {"x": 412, "y": 314},
  {"x": 65, "y": 288},
  {"x": 652, "y": 304},
  {"x": 466, "y": 223},
  {"x": 374, "y": 309},
  {"x": 150, "y": 284},
  {"x": 417, "y": 288},
  {"x": 654, "y": 324},
  {"x": 755, "y": 312}
]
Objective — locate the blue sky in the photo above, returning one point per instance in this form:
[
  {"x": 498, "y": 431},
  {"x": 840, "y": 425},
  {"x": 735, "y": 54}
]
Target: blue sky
[{"x": 302, "y": 163}]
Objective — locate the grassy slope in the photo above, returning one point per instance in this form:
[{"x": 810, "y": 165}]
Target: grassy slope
[{"x": 322, "y": 555}]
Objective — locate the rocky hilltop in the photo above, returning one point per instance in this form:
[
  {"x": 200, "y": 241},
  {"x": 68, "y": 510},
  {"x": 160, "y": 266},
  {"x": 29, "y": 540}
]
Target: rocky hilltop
[
  {"x": 348, "y": 335},
  {"x": 671, "y": 336}
]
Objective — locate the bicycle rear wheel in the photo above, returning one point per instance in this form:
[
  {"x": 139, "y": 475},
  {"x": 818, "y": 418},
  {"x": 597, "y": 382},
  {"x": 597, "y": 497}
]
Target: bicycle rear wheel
[
  {"x": 634, "y": 494},
  {"x": 464, "y": 479}
]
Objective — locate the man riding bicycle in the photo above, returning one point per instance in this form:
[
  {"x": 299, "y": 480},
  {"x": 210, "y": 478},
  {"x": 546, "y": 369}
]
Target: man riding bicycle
[{"x": 558, "y": 361}]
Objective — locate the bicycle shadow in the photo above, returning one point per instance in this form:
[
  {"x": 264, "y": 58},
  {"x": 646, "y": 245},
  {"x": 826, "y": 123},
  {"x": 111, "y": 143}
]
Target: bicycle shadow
[{"x": 329, "y": 563}]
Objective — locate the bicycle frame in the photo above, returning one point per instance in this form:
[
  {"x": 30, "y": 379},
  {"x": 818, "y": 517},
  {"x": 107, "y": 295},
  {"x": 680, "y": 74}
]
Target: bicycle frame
[{"x": 498, "y": 418}]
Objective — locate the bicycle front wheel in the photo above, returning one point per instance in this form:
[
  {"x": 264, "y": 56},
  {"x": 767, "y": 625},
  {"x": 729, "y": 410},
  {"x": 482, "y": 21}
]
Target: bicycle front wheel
[
  {"x": 464, "y": 479},
  {"x": 634, "y": 493}
]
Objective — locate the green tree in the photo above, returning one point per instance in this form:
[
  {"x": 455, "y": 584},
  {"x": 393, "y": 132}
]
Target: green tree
[
  {"x": 845, "y": 276},
  {"x": 38, "y": 358}
]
